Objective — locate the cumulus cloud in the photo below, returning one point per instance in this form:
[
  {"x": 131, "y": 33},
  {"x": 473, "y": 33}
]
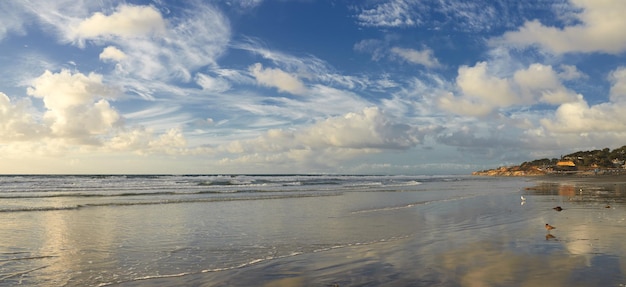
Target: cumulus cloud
[
  {"x": 76, "y": 104},
  {"x": 424, "y": 57},
  {"x": 277, "y": 78},
  {"x": 127, "y": 21},
  {"x": 578, "y": 117},
  {"x": 542, "y": 83},
  {"x": 145, "y": 141},
  {"x": 112, "y": 53},
  {"x": 77, "y": 118},
  {"x": 618, "y": 90},
  {"x": 599, "y": 28},
  {"x": 17, "y": 122},
  {"x": 569, "y": 72},
  {"x": 482, "y": 92},
  {"x": 369, "y": 128},
  {"x": 367, "y": 131}
]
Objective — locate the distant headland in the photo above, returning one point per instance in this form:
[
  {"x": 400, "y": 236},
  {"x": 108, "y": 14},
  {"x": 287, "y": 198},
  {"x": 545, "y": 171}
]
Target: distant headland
[{"x": 595, "y": 162}]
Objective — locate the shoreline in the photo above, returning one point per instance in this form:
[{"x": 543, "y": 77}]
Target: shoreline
[
  {"x": 506, "y": 237},
  {"x": 581, "y": 178},
  {"x": 564, "y": 177}
]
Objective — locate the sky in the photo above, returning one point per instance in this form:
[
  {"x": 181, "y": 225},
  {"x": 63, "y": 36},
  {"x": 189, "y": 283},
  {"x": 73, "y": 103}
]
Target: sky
[{"x": 304, "y": 86}]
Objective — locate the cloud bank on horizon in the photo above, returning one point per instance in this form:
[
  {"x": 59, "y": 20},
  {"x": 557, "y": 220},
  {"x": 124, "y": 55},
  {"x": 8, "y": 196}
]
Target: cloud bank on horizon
[{"x": 269, "y": 86}]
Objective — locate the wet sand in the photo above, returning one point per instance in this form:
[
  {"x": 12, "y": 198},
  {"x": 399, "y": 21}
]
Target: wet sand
[
  {"x": 582, "y": 178},
  {"x": 495, "y": 240}
]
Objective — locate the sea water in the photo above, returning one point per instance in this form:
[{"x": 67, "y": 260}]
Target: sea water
[{"x": 136, "y": 230}]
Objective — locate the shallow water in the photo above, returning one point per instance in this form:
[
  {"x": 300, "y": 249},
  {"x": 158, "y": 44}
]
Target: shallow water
[{"x": 312, "y": 231}]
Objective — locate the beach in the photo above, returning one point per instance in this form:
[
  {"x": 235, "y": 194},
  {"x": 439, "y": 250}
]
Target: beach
[
  {"x": 497, "y": 240},
  {"x": 442, "y": 231}
]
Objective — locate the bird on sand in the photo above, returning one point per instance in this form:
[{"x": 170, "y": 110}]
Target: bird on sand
[
  {"x": 558, "y": 208},
  {"x": 549, "y": 227}
]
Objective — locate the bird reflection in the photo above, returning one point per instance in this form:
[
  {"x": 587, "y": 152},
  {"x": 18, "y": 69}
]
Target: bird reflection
[{"x": 550, "y": 236}]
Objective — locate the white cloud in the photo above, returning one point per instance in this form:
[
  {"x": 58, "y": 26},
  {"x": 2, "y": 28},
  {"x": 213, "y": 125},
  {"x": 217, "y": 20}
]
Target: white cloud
[
  {"x": 171, "y": 142},
  {"x": 578, "y": 117},
  {"x": 126, "y": 21},
  {"x": 569, "y": 72},
  {"x": 599, "y": 29},
  {"x": 390, "y": 14},
  {"x": 112, "y": 53},
  {"x": 618, "y": 90},
  {"x": 76, "y": 104},
  {"x": 153, "y": 48},
  {"x": 212, "y": 84},
  {"x": 77, "y": 119},
  {"x": 482, "y": 92},
  {"x": 145, "y": 141},
  {"x": 463, "y": 105},
  {"x": 477, "y": 15},
  {"x": 541, "y": 82},
  {"x": 371, "y": 46},
  {"x": 424, "y": 57},
  {"x": 476, "y": 82},
  {"x": 64, "y": 90},
  {"x": 247, "y": 4},
  {"x": 328, "y": 141},
  {"x": 369, "y": 128},
  {"x": 12, "y": 19},
  {"x": 17, "y": 122},
  {"x": 277, "y": 78}
]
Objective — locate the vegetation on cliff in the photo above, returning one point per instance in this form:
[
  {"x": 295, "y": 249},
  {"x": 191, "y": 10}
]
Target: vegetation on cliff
[{"x": 596, "y": 161}]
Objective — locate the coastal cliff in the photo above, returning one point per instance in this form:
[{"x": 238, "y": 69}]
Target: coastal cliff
[
  {"x": 595, "y": 162},
  {"x": 511, "y": 171}
]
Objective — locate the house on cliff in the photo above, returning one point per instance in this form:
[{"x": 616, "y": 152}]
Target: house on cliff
[{"x": 565, "y": 165}]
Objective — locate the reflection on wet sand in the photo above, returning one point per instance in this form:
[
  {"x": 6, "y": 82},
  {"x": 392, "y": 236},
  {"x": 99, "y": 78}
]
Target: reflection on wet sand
[
  {"x": 590, "y": 230},
  {"x": 484, "y": 242},
  {"x": 486, "y": 264}
]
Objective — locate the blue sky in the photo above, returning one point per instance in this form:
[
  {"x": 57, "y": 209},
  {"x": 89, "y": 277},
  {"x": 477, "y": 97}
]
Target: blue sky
[{"x": 278, "y": 86}]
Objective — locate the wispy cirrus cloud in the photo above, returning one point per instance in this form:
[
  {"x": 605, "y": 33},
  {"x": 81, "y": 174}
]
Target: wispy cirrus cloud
[
  {"x": 13, "y": 18},
  {"x": 396, "y": 13},
  {"x": 423, "y": 57},
  {"x": 439, "y": 14}
]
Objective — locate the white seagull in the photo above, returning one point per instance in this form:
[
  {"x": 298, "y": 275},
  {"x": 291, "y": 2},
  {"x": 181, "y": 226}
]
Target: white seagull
[{"x": 523, "y": 198}]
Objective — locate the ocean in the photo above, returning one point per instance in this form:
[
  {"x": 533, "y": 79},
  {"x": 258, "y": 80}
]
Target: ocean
[{"x": 307, "y": 230}]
